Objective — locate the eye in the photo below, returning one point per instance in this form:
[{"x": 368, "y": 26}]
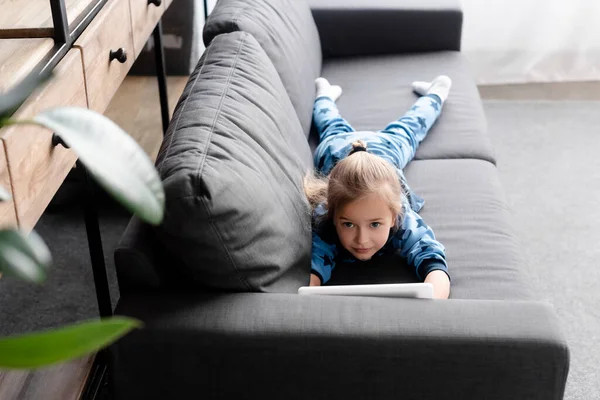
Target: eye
[
  {"x": 375, "y": 224},
  {"x": 347, "y": 224}
]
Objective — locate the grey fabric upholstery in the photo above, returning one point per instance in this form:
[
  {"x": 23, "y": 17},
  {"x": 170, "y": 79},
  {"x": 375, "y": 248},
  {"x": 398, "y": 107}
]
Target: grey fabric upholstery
[
  {"x": 359, "y": 27},
  {"x": 491, "y": 340},
  {"x": 142, "y": 262},
  {"x": 283, "y": 346},
  {"x": 377, "y": 90},
  {"x": 136, "y": 261},
  {"x": 290, "y": 39},
  {"x": 463, "y": 200},
  {"x": 464, "y": 205},
  {"x": 232, "y": 164}
]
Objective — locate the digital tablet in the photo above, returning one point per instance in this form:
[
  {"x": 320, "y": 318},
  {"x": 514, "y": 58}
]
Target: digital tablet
[{"x": 411, "y": 290}]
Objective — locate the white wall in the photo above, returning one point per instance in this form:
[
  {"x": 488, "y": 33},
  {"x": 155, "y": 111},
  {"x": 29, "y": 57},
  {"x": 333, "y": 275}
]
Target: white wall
[
  {"x": 517, "y": 41},
  {"x": 211, "y": 5},
  {"x": 197, "y": 42}
]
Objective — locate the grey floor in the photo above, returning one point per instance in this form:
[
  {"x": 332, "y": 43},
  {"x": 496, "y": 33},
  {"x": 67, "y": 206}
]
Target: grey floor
[
  {"x": 548, "y": 160},
  {"x": 68, "y": 294},
  {"x": 547, "y": 156}
]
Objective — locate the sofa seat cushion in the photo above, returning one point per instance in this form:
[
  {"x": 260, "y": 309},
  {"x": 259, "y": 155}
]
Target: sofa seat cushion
[
  {"x": 377, "y": 90},
  {"x": 232, "y": 165},
  {"x": 287, "y": 32},
  {"x": 466, "y": 208}
]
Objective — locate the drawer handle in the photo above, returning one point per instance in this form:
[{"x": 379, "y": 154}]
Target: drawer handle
[
  {"x": 120, "y": 55},
  {"x": 57, "y": 140},
  {"x": 157, "y": 3}
]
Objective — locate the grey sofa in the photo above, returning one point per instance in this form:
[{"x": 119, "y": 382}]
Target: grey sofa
[{"x": 215, "y": 284}]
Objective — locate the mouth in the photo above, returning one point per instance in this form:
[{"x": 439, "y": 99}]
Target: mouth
[{"x": 362, "y": 250}]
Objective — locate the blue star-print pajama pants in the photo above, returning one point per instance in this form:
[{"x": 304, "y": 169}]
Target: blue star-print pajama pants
[{"x": 397, "y": 142}]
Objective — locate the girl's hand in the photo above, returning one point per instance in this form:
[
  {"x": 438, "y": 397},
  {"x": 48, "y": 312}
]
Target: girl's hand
[
  {"x": 440, "y": 282},
  {"x": 314, "y": 280}
]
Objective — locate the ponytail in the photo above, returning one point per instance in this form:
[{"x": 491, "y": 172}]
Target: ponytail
[
  {"x": 353, "y": 178},
  {"x": 357, "y": 146}
]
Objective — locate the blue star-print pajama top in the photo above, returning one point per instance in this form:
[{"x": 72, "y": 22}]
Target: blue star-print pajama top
[{"x": 397, "y": 143}]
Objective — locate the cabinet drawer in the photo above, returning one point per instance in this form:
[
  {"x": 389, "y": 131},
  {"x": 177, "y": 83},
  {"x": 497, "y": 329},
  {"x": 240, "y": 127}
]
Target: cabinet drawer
[
  {"x": 36, "y": 167},
  {"x": 144, "y": 17},
  {"x": 108, "y": 32}
]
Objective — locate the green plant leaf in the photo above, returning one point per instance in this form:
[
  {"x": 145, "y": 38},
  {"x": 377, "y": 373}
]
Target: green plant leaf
[
  {"x": 12, "y": 100},
  {"x": 41, "y": 349},
  {"x": 113, "y": 158},
  {"x": 4, "y": 195},
  {"x": 23, "y": 255}
]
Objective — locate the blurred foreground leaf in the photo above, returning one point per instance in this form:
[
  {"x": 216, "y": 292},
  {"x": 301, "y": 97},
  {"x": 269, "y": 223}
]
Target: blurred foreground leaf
[
  {"x": 112, "y": 157},
  {"x": 41, "y": 349},
  {"x": 4, "y": 195},
  {"x": 24, "y": 256},
  {"x": 11, "y": 100}
]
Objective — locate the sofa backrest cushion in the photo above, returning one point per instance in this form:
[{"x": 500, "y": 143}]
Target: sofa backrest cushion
[
  {"x": 287, "y": 32},
  {"x": 232, "y": 165}
]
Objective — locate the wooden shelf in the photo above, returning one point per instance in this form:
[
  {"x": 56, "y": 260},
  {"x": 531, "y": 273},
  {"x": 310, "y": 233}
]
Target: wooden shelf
[
  {"x": 33, "y": 18},
  {"x": 60, "y": 382}
]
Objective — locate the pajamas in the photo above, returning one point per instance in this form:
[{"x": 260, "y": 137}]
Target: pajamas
[{"x": 396, "y": 143}]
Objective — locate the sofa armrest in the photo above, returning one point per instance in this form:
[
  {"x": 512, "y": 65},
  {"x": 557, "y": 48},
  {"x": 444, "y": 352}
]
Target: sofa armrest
[
  {"x": 275, "y": 346},
  {"x": 370, "y": 27}
]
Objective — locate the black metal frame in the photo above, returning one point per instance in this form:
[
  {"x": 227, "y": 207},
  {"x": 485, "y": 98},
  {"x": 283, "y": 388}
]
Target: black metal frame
[
  {"x": 59, "y": 17},
  {"x": 161, "y": 73},
  {"x": 64, "y": 38},
  {"x": 92, "y": 229}
]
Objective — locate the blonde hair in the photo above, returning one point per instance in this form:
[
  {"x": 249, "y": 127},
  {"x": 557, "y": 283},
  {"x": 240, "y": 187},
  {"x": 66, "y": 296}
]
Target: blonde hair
[{"x": 356, "y": 176}]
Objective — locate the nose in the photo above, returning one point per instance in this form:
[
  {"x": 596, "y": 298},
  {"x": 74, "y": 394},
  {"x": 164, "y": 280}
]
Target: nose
[{"x": 361, "y": 237}]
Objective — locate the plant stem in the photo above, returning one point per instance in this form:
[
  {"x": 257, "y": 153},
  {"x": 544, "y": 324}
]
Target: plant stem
[{"x": 6, "y": 122}]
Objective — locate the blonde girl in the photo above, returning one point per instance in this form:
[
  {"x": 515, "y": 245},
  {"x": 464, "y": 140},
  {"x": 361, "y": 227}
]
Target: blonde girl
[{"x": 362, "y": 204}]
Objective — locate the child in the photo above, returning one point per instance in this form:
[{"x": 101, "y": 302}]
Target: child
[{"x": 364, "y": 207}]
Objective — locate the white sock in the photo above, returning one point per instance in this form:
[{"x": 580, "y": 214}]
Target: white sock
[
  {"x": 324, "y": 88},
  {"x": 440, "y": 86},
  {"x": 421, "y": 87}
]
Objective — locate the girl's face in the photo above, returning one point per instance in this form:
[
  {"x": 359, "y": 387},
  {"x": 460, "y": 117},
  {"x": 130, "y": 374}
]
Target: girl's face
[{"x": 363, "y": 226}]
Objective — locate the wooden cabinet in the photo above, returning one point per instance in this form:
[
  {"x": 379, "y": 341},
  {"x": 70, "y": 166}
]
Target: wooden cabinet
[
  {"x": 37, "y": 168},
  {"x": 33, "y": 18},
  {"x": 107, "y": 51},
  {"x": 31, "y": 167},
  {"x": 144, "y": 17},
  {"x": 18, "y": 57},
  {"x": 88, "y": 76}
]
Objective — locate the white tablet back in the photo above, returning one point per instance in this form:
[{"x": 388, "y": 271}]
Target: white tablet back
[{"x": 412, "y": 290}]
